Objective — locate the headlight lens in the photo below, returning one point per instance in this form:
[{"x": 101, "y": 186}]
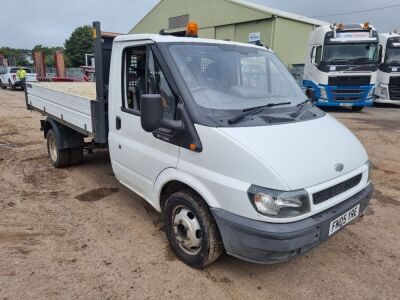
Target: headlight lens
[
  {"x": 279, "y": 204},
  {"x": 323, "y": 93}
]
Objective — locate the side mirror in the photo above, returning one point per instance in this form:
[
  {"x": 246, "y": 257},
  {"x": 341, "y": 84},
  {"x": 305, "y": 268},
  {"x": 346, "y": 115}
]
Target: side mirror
[
  {"x": 310, "y": 94},
  {"x": 152, "y": 117}
]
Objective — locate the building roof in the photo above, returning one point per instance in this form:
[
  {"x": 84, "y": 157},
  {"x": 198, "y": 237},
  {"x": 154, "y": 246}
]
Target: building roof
[{"x": 277, "y": 12}]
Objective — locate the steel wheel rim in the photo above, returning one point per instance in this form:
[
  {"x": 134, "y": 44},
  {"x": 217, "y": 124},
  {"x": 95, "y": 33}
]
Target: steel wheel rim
[
  {"x": 187, "y": 230},
  {"x": 52, "y": 148}
]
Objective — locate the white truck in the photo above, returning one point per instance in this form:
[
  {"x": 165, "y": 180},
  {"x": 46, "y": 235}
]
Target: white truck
[
  {"x": 9, "y": 78},
  {"x": 388, "y": 81},
  {"x": 341, "y": 65},
  {"x": 219, "y": 138}
]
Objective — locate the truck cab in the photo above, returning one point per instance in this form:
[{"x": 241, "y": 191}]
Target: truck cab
[
  {"x": 388, "y": 79},
  {"x": 341, "y": 65}
]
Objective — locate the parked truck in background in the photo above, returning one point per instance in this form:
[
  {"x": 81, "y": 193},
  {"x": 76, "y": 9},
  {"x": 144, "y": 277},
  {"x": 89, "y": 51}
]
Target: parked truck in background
[
  {"x": 341, "y": 65},
  {"x": 388, "y": 79},
  {"x": 9, "y": 78},
  {"x": 219, "y": 138}
]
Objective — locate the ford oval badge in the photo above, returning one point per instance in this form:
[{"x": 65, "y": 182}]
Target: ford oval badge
[{"x": 339, "y": 167}]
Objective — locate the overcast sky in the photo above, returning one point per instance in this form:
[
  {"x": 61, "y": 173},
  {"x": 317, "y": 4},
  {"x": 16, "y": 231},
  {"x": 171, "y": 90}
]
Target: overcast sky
[{"x": 49, "y": 22}]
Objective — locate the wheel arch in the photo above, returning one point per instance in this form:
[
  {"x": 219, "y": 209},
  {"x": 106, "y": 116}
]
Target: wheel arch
[
  {"x": 171, "y": 181},
  {"x": 66, "y": 138}
]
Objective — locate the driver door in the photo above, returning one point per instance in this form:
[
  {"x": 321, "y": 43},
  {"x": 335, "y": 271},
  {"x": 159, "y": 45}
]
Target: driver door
[{"x": 139, "y": 156}]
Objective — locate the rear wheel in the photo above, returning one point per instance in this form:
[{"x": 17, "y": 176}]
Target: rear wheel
[
  {"x": 357, "y": 108},
  {"x": 76, "y": 156},
  {"x": 59, "y": 158},
  {"x": 191, "y": 229}
]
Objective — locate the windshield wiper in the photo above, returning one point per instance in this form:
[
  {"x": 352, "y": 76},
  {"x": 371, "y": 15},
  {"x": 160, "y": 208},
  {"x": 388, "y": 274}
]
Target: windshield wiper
[
  {"x": 300, "y": 109},
  {"x": 254, "y": 111}
]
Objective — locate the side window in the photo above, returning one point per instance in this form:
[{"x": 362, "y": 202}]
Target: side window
[
  {"x": 158, "y": 84},
  {"x": 134, "y": 73},
  {"x": 318, "y": 55}
]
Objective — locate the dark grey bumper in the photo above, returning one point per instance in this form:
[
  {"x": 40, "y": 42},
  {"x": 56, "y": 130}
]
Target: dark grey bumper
[{"x": 262, "y": 242}]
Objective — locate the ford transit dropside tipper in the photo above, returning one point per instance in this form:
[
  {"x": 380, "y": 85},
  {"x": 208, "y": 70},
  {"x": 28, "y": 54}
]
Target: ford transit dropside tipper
[
  {"x": 341, "y": 65},
  {"x": 218, "y": 137},
  {"x": 388, "y": 82}
]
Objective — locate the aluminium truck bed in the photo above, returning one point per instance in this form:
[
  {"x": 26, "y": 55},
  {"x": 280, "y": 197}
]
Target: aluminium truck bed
[{"x": 73, "y": 104}]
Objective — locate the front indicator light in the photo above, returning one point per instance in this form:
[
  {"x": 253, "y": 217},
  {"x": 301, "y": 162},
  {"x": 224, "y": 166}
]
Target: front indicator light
[{"x": 279, "y": 204}]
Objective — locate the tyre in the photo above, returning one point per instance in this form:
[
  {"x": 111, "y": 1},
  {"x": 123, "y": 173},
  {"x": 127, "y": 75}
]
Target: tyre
[
  {"x": 191, "y": 229},
  {"x": 357, "y": 108},
  {"x": 59, "y": 158},
  {"x": 2, "y": 86},
  {"x": 11, "y": 86},
  {"x": 76, "y": 156}
]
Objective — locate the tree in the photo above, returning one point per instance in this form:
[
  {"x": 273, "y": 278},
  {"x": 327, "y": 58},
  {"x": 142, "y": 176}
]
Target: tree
[
  {"x": 79, "y": 44},
  {"x": 19, "y": 57}
]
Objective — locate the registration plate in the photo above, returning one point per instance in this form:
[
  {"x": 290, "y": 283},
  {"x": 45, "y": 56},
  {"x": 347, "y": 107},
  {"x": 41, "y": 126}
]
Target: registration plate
[
  {"x": 346, "y": 104},
  {"x": 344, "y": 219}
]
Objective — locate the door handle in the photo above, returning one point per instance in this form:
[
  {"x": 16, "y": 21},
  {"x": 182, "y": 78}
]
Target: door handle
[{"x": 118, "y": 123}]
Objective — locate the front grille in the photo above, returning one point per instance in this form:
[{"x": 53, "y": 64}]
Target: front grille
[
  {"x": 343, "y": 94},
  {"x": 394, "y": 80},
  {"x": 336, "y": 190},
  {"x": 394, "y": 91},
  {"x": 349, "y": 80}
]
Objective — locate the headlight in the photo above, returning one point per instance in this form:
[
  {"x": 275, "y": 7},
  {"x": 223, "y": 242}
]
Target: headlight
[
  {"x": 383, "y": 91},
  {"x": 323, "y": 93},
  {"x": 369, "y": 164},
  {"x": 279, "y": 204}
]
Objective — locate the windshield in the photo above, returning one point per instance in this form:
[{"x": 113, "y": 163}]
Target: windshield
[
  {"x": 230, "y": 77},
  {"x": 392, "y": 56},
  {"x": 357, "y": 53}
]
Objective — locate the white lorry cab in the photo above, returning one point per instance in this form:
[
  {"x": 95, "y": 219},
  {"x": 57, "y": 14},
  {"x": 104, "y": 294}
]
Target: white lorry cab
[
  {"x": 341, "y": 65},
  {"x": 219, "y": 138},
  {"x": 388, "y": 81}
]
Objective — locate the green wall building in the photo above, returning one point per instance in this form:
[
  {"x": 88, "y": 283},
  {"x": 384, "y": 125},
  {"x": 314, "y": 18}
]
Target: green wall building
[{"x": 286, "y": 33}]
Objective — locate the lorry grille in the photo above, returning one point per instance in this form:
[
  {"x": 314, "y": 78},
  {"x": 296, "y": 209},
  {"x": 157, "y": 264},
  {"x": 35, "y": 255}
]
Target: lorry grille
[
  {"x": 394, "y": 80},
  {"x": 336, "y": 190},
  {"x": 394, "y": 91},
  {"x": 349, "y": 80},
  {"x": 343, "y": 94}
]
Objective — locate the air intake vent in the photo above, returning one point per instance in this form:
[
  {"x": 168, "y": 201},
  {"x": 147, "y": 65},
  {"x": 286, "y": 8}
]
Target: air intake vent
[{"x": 178, "y": 22}]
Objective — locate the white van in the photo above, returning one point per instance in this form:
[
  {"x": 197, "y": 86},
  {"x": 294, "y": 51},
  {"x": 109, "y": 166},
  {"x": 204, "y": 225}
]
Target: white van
[{"x": 219, "y": 138}]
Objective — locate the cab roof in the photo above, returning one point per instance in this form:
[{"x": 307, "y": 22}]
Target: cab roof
[{"x": 157, "y": 38}]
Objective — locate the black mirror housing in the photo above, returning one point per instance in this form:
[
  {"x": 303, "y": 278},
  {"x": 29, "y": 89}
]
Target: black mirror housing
[
  {"x": 151, "y": 112},
  {"x": 311, "y": 94},
  {"x": 152, "y": 116}
]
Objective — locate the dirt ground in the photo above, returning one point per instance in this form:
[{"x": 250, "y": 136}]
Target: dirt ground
[{"x": 78, "y": 233}]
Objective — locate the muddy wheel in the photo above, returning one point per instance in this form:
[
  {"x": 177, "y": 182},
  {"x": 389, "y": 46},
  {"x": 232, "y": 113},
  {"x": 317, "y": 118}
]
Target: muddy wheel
[
  {"x": 11, "y": 86},
  {"x": 357, "y": 108},
  {"x": 76, "y": 156},
  {"x": 59, "y": 158},
  {"x": 191, "y": 229}
]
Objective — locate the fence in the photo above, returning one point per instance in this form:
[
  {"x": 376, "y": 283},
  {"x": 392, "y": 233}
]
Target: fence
[{"x": 75, "y": 73}]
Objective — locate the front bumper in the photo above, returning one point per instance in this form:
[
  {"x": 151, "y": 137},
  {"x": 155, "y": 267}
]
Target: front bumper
[
  {"x": 262, "y": 242},
  {"x": 327, "y": 103},
  {"x": 387, "y": 101}
]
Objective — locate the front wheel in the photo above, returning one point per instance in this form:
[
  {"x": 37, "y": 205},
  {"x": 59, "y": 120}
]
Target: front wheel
[
  {"x": 357, "y": 108},
  {"x": 12, "y": 86},
  {"x": 191, "y": 229},
  {"x": 2, "y": 86}
]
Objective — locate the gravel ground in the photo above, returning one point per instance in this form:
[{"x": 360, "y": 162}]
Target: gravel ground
[{"x": 78, "y": 233}]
